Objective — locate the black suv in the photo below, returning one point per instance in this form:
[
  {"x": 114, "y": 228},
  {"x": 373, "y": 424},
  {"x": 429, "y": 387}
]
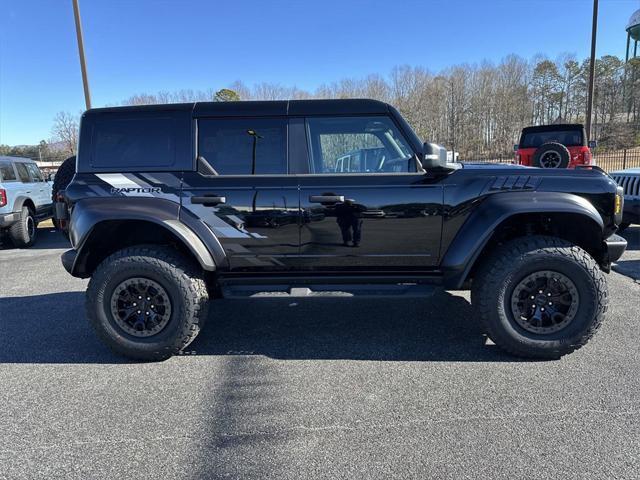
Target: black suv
[{"x": 173, "y": 206}]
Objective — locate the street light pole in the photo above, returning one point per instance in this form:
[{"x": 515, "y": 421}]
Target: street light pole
[
  {"x": 83, "y": 62},
  {"x": 592, "y": 67}
]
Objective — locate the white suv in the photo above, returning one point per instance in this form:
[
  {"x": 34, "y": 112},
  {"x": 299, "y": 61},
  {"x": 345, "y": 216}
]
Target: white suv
[{"x": 25, "y": 199}]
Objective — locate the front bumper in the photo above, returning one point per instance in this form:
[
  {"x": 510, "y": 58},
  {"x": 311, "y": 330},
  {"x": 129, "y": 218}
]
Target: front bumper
[
  {"x": 615, "y": 245},
  {"x": 8, "y": 219}
]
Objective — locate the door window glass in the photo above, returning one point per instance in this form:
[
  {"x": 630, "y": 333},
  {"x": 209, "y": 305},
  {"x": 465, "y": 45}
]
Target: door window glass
[
  {"x": 244, "y": 146},
  {"x": 6, "y": 172},
  {"x": 36, "y": 174},
  {"x": 23, "y": 173},
  {"x": 358, "y": 145}
]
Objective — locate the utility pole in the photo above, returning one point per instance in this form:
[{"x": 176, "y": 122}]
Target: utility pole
[
  {"x": 83, "y": 62},
  {"x": 592, "y": 67}
]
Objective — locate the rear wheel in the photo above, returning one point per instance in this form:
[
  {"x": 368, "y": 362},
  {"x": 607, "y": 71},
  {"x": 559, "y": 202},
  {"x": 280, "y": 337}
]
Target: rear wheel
[
  {"x": 23, "y": 232},
  {"x": 147, "y": 302},
  {"x": 540, "y": 297}
]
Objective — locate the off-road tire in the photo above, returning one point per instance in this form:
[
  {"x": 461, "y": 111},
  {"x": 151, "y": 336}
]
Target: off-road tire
[
  {"x": 508, "y": 264},
  {"x": 23, "y": 232},
  {"x": 181, "y": 278},
  {"x": 63, "y": 177},
  {"x": 558, "y": 148}
]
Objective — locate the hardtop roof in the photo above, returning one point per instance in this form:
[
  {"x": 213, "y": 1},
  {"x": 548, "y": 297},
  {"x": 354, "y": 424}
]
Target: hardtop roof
[
  {"x": 553, "y": 128},
  {"x": 8, "y": 158},
  {"x": 259, "y": 108}
]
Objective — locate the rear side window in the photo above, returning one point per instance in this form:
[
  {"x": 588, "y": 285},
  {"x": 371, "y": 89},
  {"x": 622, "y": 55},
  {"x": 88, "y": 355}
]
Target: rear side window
[
  {"x": 6, "y": 172},
  {"x": 570, "y": 138},
  {"x": 244, "y": 146},
  {"x": 23, "y": 173},
  {"x": 134, "y": 142}
]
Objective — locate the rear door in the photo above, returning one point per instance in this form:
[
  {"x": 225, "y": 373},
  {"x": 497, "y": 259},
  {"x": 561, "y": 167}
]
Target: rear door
[
  {"x": 243, "y": 192},
  {"x": 378, "y": 211}
]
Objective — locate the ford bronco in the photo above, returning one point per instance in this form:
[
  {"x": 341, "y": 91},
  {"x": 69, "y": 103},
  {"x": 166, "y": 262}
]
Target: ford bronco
[{"x": 174, "y": 206}]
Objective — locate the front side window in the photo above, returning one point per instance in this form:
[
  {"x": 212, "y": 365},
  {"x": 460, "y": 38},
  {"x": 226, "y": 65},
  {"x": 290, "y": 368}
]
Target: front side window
[
  {"x": 23, "y": 173},
  {"x": 244, "y": 146},
  {"x": 36, "y": 174},
  {"x": 358, "y": 145}
]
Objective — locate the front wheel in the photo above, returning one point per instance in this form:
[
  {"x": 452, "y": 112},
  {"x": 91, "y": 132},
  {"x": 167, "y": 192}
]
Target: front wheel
[
  {"x": 540, "y": 297},
  {"x": 147, "y": 302}
]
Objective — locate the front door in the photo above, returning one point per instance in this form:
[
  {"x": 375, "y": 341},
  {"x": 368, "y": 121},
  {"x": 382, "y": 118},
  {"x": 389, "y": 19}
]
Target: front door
[
  {"x": 365, "y": 203},
  {"x": 243, "y": 192}
]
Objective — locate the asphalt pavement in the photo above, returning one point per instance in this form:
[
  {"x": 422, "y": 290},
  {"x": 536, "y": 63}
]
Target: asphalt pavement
[{"x": 310, "y": 388}]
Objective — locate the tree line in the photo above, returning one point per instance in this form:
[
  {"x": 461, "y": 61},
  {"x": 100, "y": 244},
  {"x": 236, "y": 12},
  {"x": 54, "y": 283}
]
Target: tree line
[{"x": 478, "y": 109}]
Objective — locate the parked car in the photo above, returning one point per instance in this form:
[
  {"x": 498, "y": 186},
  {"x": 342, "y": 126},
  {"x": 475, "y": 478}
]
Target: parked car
[
  {"x": 629, "y": 180},
  {"x": 554, "y": 146},
  {"x": 25, "y": 199},
  {"x": 164, "y": 201}
]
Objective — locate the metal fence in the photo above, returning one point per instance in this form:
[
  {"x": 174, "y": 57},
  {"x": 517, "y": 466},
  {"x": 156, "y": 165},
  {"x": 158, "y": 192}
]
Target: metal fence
[{"x": 607, "y": 160}]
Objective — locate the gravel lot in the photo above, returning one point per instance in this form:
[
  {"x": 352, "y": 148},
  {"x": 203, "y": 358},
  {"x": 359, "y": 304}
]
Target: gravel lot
[{"x": 329, "y": 388}]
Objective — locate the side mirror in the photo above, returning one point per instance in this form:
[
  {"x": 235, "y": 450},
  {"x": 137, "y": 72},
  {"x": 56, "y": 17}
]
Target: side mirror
[
  {"x": 515, "y": 147},
  {"x": 593, "y": 144},
  {"x": 433, "y": 156}
]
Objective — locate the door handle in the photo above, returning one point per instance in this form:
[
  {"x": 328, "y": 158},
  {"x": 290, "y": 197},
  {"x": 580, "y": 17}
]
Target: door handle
[
  {"x": 209, "y": 200},
  {"x": 326, "y": 198}
]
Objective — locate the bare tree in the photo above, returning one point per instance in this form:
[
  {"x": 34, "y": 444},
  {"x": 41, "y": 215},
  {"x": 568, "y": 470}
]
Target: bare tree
[
  {"x": 479, "y": 108},
  {"x": 65, "y": 131}
]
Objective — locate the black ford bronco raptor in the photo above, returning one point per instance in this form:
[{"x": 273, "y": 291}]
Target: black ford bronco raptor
[{"x": 173, "y": 206}]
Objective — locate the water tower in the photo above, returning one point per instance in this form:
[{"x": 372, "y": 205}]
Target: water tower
[{"x": 633, "y": 34}]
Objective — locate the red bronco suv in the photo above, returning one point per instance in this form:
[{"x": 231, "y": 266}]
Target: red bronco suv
[{"x": 554, "y": 146}]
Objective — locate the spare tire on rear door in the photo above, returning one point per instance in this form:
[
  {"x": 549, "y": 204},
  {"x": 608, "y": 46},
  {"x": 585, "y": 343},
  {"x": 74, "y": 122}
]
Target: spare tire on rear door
[
  {"x": 551, "y": 155},
  {"x": 63, "y": 177}
]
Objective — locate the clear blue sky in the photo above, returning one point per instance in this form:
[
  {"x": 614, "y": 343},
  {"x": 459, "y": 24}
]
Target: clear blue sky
[{"x": 150, "y": 45}]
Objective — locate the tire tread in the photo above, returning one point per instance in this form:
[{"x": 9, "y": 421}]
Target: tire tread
[
  {"x": 490, "y": 278},
  {"x": 187, "y": 277}
]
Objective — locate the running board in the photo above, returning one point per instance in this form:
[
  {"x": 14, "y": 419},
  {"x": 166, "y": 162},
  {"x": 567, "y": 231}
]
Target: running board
[{"x": 329, "y": 290}]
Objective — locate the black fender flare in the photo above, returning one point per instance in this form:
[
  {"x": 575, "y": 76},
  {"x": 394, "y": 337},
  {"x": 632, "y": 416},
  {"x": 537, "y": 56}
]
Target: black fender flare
[
  {"x": 90, "y": 212},
  {"x": 19, "y": 202},
  {"x": 495, "y": 209}
]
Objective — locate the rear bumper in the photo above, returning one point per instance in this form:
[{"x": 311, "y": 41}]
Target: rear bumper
[
  {"x": 8, "y": 219},
  {"x": 616, "y": 245}
]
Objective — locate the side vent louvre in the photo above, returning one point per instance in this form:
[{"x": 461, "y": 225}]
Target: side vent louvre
[{"x": 514, "y": 182}]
